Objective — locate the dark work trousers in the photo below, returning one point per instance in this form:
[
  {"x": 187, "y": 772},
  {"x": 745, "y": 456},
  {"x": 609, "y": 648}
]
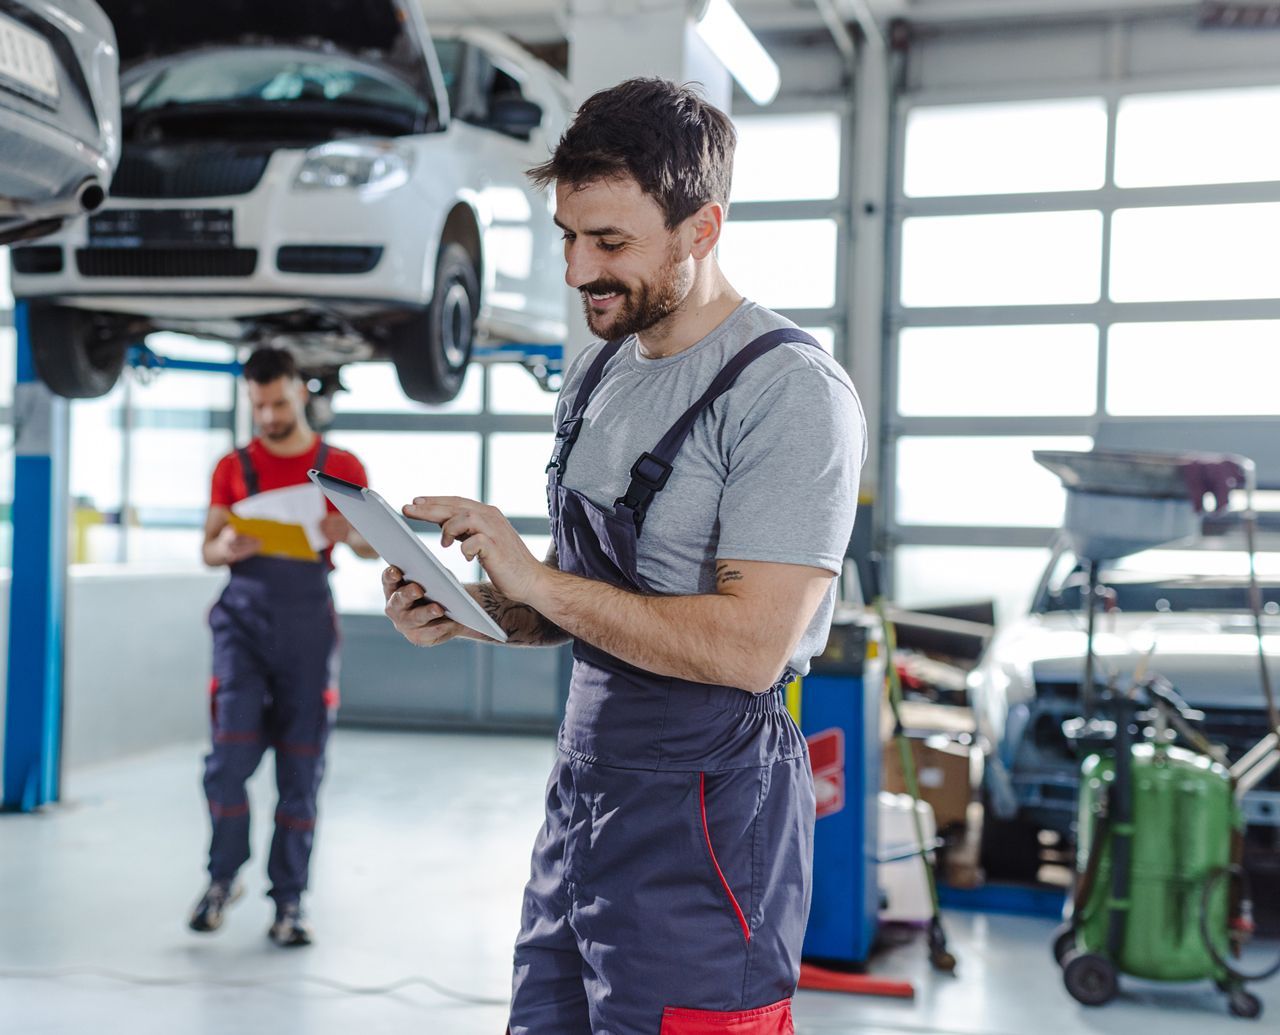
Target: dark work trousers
[
  {"x": 670, "y": 883},
  {"x": 274, "y": 685}
]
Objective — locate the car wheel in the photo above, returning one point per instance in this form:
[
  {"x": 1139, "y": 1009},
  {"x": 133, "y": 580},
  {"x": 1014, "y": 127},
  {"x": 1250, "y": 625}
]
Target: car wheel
[
  {"x": 1010, "y": 847},
  {"x": 78, "y": 354},
  {"x": 431, "y": 352}
]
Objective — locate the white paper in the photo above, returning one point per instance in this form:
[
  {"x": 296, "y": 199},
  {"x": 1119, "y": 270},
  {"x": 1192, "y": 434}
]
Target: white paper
[{"x": 295, "y": 505}]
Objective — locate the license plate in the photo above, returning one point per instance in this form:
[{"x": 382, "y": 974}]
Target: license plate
[
  {"x": 27, "y": 64},
  {"x": 162, "y": 228}
]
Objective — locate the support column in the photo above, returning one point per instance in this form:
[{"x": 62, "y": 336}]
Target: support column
[{"x": 37, "y": 594}]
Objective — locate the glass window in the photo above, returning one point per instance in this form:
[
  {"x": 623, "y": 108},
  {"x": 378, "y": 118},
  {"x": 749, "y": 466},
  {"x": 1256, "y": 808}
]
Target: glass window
[
  {"x": 782, "y": 264},
  {"x": 1031, "y": 371},
  {"x": 1194, "y": 369},
  {"x": 97, "y": 452},
  {"x": 170, "y": 547},
  {"x": 1205, "y": 136},
  {"x": 6, "y": 292},
  {"x": 173, "y": 467},
  {"x": 1016, "y": 148},
  {"x": 402, "y": 465},
  {"x": 373, "y": 388},
  {"x": 539, "y": 545},
  {"x": 787, "y": 157},
  {"x": 8, "y": 364},
  {"x": 184, "y": 389},
  {"x": 927, "y": 576},
  {"x": 1195, "y": 252},
  {"x": 517, "y": 473},
  {"x": 1034, "y": 258},
  {"x": 979, "y": 480},
  {"x": 512, "y": 389}
]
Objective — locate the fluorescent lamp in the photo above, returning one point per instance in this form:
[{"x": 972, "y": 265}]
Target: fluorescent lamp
[{"x": 739, "y": 51}]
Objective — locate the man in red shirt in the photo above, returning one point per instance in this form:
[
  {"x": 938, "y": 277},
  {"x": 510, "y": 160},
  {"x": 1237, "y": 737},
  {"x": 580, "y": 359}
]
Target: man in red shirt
[{"x": 274, "y": 651}]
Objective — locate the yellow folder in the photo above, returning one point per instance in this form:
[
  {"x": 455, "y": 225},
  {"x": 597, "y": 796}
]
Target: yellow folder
[{"x": 278, "y": 539}]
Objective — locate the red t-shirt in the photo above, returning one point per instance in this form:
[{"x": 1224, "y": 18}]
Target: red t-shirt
[{"x": 279, "y": 472}]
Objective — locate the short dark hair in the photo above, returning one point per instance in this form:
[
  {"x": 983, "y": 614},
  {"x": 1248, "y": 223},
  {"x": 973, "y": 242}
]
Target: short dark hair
[
  {"x": 269, "y": 364},
  {"x": 667, "y": 138}
]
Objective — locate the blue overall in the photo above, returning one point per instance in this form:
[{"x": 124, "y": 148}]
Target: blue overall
[
  {"x": 670, "y": 884},
  {"x": 274, "y": 665}
]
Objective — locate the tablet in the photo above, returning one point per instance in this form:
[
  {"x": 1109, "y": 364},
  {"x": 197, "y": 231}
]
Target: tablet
[{"x": 387, "y": 532}]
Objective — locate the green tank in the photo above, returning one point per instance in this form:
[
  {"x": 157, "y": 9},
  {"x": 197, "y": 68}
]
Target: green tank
[{"x": 1184, "y": 818}]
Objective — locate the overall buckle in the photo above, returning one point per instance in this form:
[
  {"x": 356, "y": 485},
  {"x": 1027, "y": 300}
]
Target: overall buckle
[
  {"x": 649, "y": 475},
  {"x": 566, "y": 436}
]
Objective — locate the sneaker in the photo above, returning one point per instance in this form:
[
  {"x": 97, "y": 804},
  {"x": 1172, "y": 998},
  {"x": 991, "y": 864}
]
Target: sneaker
[
  {"x": 207, "y": 916},
  {"x": 291, "y": 928}
]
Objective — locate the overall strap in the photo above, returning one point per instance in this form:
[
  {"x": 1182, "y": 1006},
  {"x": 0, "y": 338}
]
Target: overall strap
[
  {"x": 322, "y": 456},
  {"x": 247, "y": 469},
  {"x": 567, "y": 433},
  {"x": 650, "y": 472}
]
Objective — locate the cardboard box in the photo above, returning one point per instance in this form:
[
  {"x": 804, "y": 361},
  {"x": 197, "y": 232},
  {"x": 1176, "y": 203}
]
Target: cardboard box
[{"x": 942, "y": 770}]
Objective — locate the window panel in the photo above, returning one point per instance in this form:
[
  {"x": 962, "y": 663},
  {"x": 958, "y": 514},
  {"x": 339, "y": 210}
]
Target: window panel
[
  {"x": 6, "y": 291},
  {"x": 402, "y": 465},
  {"x": 1205, "y": 136},
  {"x": 1194, "y": 369},
  {"x": 97, "y": 452},
  {"x": 1195, "y": 252},
  {"x": 168, "y": 547},
  {"x": 8, "y": 364},
  {"x": 373, "y": 388},
  {"x": 782, "y": 264},
  {"x": 979, "y": 480},
  {"x": 1006, "y": 148},
  {"x": 926, "y": 576},
  {"x": 517, "y": 473},
  {"x": 1039, "y": 258},
  {"x": 766, "y": 163},
  {"x": 512, "y": 389},
  {"x": 184, "y": 389},
  {"x": 1015, "y": 371},
  {"x": 173, "y": 467}
]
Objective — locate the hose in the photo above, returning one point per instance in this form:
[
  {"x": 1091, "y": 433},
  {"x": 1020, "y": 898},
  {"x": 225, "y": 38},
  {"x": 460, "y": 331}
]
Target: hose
[{"x": 1210, "y": 886}]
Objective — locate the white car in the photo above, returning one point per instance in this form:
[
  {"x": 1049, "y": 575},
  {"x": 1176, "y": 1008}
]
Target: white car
[
  {"x": 59, "y": 113},
  {"x": 321, "y": 176},
  {"x": 1189, "y": 602}
]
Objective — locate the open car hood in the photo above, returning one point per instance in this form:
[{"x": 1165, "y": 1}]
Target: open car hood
[{"x": 390, "y": 31}]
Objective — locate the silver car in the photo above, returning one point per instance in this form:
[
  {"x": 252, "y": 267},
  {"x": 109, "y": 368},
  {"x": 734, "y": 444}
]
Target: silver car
[
  {"x": 1186, "y": 606},
  {"x": 59, "y": 113}
]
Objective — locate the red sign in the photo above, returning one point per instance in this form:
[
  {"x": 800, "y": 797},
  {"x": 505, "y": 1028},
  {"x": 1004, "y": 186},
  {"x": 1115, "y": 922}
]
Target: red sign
[{"x": 826, "y": 756}]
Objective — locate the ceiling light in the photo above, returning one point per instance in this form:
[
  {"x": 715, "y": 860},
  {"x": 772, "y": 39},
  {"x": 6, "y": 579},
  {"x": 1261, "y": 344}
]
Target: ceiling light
[{"x": 728, "y": 37}]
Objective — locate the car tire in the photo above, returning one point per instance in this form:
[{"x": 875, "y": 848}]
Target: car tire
[
  {"x": 78, "y": 354},
  {"x": 431, "y": 351},
  {"x": 1010, "y": 848}
]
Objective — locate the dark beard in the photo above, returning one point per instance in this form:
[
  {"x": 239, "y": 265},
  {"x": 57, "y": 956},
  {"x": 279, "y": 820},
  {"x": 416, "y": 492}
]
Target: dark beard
[
  {"x": 650, "y": 304},
  {"x": 280, "y": 436}
]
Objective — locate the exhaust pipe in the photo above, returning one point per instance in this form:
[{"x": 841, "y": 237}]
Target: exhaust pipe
[{"x": 90, "y": 195}]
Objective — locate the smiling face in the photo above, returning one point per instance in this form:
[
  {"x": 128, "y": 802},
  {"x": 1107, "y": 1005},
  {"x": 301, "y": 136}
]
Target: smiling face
[{"x": 632, "y": 272}]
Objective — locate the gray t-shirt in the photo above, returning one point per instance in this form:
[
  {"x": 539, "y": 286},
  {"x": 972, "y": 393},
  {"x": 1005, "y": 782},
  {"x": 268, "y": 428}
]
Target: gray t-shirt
[{"x": 769, "y": 472}]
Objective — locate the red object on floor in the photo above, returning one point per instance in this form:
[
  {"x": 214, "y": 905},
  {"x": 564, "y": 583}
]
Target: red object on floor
[{"x": 819, "y": 979}]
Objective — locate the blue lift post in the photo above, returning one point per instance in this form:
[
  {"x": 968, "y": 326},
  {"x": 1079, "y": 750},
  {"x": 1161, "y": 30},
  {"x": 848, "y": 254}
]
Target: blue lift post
[{"x": 37, "y": 591}]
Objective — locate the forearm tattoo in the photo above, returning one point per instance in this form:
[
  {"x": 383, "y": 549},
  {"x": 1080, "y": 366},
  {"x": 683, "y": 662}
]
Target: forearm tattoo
[
  {"x": 725, "y": 574},
  {"x": 520, "y": 622}
]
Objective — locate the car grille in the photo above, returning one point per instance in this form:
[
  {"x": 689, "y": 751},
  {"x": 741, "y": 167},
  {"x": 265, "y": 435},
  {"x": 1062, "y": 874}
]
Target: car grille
[
  {"x": 327, "y": 258},
  {"x": 44, "y": 258},
  {"x": 166, "y": 262},
  {"x": 169, "y": 174}
]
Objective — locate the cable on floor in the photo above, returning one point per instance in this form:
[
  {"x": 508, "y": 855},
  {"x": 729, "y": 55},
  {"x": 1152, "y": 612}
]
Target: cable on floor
[{"x": 283, "y": 979}]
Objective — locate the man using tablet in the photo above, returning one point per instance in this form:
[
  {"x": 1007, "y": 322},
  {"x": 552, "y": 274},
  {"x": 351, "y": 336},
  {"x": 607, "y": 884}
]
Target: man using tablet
[
  {"x": 275, "y": 662},
  {"x": 702, "y": 491}
]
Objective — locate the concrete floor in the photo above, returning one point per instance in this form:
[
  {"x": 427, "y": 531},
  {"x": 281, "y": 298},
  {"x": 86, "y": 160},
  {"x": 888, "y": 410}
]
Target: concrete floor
[{"x": 421, "y": 856}]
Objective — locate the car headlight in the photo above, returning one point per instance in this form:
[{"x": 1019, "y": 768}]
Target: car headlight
[{"x": 363, "y": 166}]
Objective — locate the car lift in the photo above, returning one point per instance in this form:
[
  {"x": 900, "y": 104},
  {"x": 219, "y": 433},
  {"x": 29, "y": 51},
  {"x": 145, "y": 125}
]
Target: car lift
[{"x": 32, "y": 771}]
